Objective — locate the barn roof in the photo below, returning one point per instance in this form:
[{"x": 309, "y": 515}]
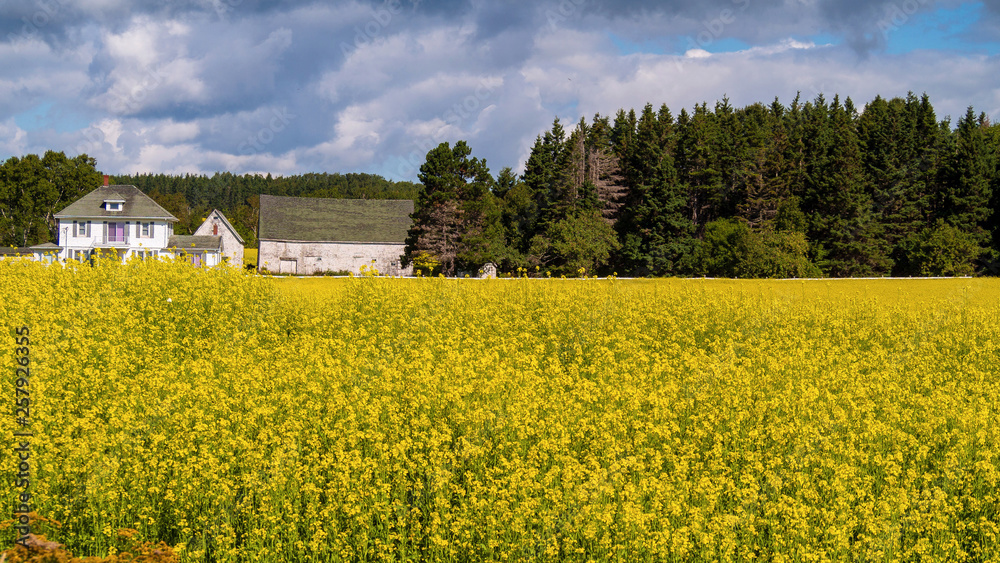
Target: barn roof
[
  {"x": 310, "y": 219},
  {"x": 136, "y": 205}
]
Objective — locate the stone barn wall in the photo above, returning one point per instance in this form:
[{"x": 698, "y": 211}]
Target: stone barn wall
[{"x": 308, "y": 258}]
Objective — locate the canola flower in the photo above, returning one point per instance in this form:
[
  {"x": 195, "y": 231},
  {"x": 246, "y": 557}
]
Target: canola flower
[{"x": 242, "y": 418}]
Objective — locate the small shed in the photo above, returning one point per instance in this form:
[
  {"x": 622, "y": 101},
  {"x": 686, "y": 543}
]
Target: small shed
[
  {"x": 199, "y": 250},
  {"x": 217, "y": 225},
  {"x": 305, "y": 236},
  {"x": 46, "y": 252}
]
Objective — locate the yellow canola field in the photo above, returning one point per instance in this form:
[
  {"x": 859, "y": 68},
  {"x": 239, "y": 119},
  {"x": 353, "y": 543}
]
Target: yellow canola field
[{"x": 243, "y": 418}]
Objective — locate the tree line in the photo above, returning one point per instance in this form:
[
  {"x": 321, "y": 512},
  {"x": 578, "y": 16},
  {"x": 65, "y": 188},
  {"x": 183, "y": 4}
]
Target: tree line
[{"x": 814, "y": 188}]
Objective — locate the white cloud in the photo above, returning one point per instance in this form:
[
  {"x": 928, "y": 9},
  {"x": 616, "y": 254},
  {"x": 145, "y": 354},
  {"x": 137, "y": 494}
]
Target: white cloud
[
  {"x": 13, "y": 139},
  {"x": 172, "y": 132}
]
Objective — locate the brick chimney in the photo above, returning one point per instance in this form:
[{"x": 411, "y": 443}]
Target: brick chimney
[{"x": 107, "y": 179}]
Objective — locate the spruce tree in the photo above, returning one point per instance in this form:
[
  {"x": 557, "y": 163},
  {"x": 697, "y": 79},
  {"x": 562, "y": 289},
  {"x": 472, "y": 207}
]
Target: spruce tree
[
  {"x": 697, "y": 166},
  {"x": 964, "y": 194},
  {"x": 846, "y": 237},
  {"x": 450, "y": 207}
]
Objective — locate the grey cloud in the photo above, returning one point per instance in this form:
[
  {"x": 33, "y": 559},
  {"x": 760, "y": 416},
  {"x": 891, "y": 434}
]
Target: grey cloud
[
  {"x": 54, "y": 21},
  {"x": 497, "y": 17},
  {"x": 861, "y": 24},
  {"x": 130, "y": 144},
  {"x": 447, "y": 8}
]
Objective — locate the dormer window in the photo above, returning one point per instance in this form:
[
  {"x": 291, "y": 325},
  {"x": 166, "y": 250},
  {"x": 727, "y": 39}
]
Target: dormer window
[{"x": 113, "y": 204}]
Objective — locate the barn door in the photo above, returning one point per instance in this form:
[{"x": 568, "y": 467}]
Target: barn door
[{"x": 287, "y": 267}]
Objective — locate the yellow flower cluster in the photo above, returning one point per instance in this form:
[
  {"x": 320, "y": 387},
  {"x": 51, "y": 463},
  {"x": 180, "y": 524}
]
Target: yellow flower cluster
[{"x": 241, "y": 418}]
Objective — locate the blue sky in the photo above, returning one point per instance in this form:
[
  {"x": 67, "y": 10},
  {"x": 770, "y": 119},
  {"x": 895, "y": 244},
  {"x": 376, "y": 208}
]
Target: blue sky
[
  {"x": 199, "y": 86},
  {"x": 941, "y": 29}
]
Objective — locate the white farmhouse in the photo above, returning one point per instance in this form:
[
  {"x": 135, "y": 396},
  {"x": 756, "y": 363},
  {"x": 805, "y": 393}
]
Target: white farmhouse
[
  {"x": 112, "y": 219},
  {"x": 304, "y": 235}
]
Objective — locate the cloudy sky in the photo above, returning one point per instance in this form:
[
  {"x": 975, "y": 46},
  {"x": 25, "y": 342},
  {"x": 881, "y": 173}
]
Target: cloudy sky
[{"x": 295, "y": 86}]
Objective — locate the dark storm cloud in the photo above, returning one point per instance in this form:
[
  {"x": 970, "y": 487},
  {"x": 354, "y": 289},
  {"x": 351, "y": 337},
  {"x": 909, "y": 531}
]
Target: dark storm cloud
[
  {"x": 861, "y": 24},
  {"x": 54, "y": 21},
  {"x": 866, "y": 26}
]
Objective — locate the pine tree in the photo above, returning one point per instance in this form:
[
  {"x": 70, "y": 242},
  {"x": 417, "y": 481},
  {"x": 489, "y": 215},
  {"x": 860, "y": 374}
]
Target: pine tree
[
  {"x": 964, "y": 195},
  {"x": 449, "y": 214},
  {"x": 847, "y": 238},
  {"x": 993, "y": 223},
  {"x": 697, "y": 166},
  {"x": 895, "y": 154},
  {"x": 604, "y": 170},
  {"x": 519, "y": 213},
  {"x": 655, "y": 229},
  {"x": 762, "y": 181}
]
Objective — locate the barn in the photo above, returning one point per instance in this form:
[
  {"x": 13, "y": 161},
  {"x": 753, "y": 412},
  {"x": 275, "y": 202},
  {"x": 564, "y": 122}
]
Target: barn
[{"x": 306, "y": 236}]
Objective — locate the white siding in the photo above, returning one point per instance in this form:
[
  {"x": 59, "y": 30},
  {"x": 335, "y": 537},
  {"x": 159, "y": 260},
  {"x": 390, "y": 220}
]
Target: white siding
[
  {"x": 70, "y": 240},
  {"x": 316, "y": 257},
  {"x": 231, "y": 247}
]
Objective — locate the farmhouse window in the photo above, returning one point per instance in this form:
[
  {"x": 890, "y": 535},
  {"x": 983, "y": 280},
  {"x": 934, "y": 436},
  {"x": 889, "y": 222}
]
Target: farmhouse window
[
  {"x": 146, "y": 230},
  {"x": 81, "y": 228}
]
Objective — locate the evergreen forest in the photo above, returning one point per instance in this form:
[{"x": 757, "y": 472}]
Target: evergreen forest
[{"x": 814, "y": 188}]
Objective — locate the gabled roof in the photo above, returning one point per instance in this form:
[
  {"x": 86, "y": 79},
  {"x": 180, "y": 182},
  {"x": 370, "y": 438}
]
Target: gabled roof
[
  {"x": 137, "y": 205},
  {"x": 190, "y": 242},
  {"x": 225, "y": 222},
  {"x": 310, "y": 219}
]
